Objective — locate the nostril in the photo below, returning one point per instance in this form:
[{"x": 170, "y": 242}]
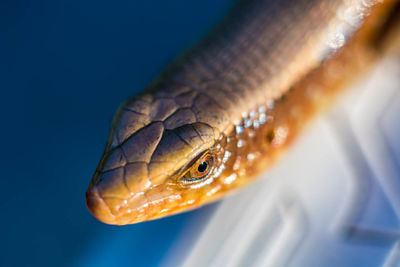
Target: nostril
[{"x": 98, "y": 207}]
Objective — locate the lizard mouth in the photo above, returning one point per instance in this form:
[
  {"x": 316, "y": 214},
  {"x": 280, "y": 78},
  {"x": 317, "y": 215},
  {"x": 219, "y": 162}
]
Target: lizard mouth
[
  {"x": 117, "y": 211},
  {"x": 158, "y": 202}
]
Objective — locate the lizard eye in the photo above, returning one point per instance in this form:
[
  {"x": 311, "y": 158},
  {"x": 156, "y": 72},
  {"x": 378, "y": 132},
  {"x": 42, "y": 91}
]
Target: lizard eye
[{"x": 199, "y": 170}]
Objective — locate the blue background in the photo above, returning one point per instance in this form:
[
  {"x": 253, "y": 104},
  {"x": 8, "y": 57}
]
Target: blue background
[{"x": 65, "y": 66}]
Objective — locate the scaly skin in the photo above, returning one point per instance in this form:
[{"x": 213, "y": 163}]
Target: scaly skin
[{"x": 237, "y": 99}]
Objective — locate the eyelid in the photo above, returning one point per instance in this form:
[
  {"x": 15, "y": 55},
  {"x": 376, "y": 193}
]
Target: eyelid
[
  {"x": 205, "y": 158},
  {"x": 181, "y": 177},
  {"x": 183, "y": 170}
]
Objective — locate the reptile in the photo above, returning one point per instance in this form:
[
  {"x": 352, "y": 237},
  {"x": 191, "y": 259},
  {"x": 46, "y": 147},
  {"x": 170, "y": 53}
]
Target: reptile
[{"x": 225, "y": 110}]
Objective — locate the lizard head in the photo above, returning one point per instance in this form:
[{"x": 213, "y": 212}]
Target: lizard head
[{"x": 163, "y": 156}]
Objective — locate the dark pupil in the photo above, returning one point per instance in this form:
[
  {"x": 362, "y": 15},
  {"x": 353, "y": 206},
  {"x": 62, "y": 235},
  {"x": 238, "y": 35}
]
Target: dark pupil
[{"x": 202, "y": 167}]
